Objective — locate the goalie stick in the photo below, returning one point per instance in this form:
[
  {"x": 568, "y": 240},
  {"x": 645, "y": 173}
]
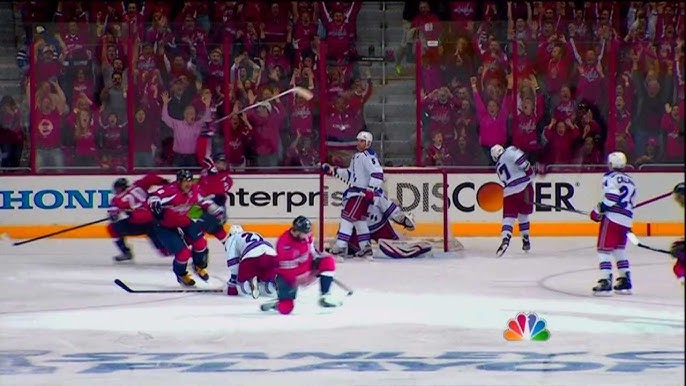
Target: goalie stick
[
  {"x": 634, "y": 240},
  {"x": 130, "y": 290}
]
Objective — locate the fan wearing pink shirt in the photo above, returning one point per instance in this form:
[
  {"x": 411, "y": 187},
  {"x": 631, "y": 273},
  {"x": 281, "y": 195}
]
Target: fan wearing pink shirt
[
  {"x": 113, "y": 139},
  {"x": 561, "y": 140},
  {"x": 591, "y": 82},
  {"x": 302, "y": 33},
  {"x": 440, "y": 111},
  {"x": 525, "y": 128},
  {"x": 492, "y": 119},
  {"x": 47, "y": 121},
  {"x": 185, "y": 131},
  {"x": 566, "y": 106},
  {"x": 301, "y": 116},
  {"x": 340, "y": 32},
  {"x": 86, "y": 150},
  {"x": 619, "y": 122}
]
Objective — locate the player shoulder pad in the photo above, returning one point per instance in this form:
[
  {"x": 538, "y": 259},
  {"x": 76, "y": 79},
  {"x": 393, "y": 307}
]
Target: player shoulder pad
[{"x": 370, "y": 153}]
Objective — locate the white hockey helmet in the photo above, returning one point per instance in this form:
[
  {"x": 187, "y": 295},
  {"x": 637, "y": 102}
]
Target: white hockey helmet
[
  {"x": 616, "y": 160},
  {"x": 235, "y": 229},
  {"x": 365, "y": 136},
  {"x": 496, "y": 152}
]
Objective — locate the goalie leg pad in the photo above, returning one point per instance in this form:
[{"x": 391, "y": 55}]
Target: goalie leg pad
[{"x": 401, "y": 250}]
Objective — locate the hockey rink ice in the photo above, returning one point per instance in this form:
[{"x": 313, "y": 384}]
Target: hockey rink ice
[{"x": 436, "y": 321}]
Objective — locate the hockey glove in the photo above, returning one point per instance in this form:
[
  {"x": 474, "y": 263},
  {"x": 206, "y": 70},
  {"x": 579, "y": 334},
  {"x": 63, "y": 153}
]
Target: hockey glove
[
  {"x": 597, "y": 213},
  {"x": 328, "y": 169},
  {"x": 113, "y": 214},
  {"x": 232, "y": 286},
  {"x": 677, "y": 249},
  {"x": 217, "y": 212},
  {"x": 156, "y": 209}
]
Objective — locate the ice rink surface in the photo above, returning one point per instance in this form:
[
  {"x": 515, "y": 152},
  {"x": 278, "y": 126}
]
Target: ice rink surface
[{"x": 436, "y": 321}]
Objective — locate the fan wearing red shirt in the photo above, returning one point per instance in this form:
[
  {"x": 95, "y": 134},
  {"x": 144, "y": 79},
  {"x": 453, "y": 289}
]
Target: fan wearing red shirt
[
  {"x": 340, "y": 34},
  {"x": 561, "y": 137},
  {"x": 673, "y": 125},
  {"x": 132, "y": 201},
  {"x": 299, "y": 264},
  {"x": 437, "y": 154},
  {"x": 524, "y": 130}
]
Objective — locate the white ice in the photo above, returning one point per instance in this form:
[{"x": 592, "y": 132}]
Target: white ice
[{"x": 446, "y": 316}]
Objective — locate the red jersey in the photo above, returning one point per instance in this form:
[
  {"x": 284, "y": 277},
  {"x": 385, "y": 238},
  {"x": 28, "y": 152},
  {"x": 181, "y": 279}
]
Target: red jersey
[
  {"x": 294, "y": 257},
  {"x": 177, "y": 204},
  {"x": 134, "y": 199}
]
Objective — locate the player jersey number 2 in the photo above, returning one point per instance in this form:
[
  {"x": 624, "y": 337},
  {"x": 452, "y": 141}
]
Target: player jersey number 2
[
  {"x": 503, "y": 172},
  {"x": 625, "y": 199},
  {"x": 252, "y": 239},
  {"x": 135, "y": 197}
]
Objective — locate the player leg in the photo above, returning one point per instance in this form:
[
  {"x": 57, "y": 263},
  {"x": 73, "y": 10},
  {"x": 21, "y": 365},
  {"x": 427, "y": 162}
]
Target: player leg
[
  {"x": 118, "y": 230},
  {"x": 247, "y": 277},
  {"x": 198, "y": 244},
  {"x": 526, "y": 207},
  {"x": 173, "y": 241},
  {"x": 679, "y": 268},
  {"x": 352, "y": 217},
  {"x": 604, "y": 286},
  {"x": 211, "y": 225},
  {"x": 325, "y": 267},
  {"x": 392, "y": 211},
  {"x": 510, "y": 209},
  {"x": 623, "y": 284},
  {"x": 266, "y": 273},
  {"x": 286, "y": 294}
]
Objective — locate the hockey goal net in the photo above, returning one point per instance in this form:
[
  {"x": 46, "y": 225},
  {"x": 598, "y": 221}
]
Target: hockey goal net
[{"x": 422, "y": 192}]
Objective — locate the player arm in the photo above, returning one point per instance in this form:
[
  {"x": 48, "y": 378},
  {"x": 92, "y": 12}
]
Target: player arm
[
  {"x": 375, "y": 172},
  {"x": 151, "y": 180},
  {"x": 611, "y": 197},
  {"x": 523, "y": 163},
  {"x": 343, "y": 174},
  {"x": 233, "y": 257}
]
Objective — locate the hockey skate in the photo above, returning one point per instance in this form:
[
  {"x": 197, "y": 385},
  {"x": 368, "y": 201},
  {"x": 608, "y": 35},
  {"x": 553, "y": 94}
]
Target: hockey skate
[
  {"x": 366, "y": 253},
  {"x": 340, "y": 254},
  {"x": 526, "y": 243},
  {"x": 623, "y": 285},
  {"x": 604, "y": 288},
  {"x": 327, "y": 301},
  {"x": 124, "y": 257},
  {"x": 503, "y": 246},
  {"x": 202, "y": 273},
  {"x": 186, "y": 280},
  {"x": 254, "y": 290}
]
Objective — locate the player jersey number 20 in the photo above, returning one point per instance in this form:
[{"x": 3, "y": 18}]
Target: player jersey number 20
[{"x": 135, "y": 197}]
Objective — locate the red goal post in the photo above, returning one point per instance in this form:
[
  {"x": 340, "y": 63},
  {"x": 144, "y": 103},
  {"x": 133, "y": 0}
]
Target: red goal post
[{"x": 421, "y": 191}]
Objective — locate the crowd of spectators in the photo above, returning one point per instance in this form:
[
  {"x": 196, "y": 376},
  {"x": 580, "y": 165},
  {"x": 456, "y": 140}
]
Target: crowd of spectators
[
  {"x": 567, "y": 82},
  {"x": 107, "y": 76}
]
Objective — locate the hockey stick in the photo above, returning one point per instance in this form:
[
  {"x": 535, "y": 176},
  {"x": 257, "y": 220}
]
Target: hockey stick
[
  {"x": 560, "y": 208},
  {"x": 301, "y": 92},
  {"x": 61, "y": 231},
  {"x": 649, "y": 201},
  {"x": 634, "y": 240},
  {"x": 128, "y": 289},
  {"x": 343, "y": 286}
]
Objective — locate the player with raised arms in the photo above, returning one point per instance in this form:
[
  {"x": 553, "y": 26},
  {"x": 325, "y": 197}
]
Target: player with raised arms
[
  {"x": 170, "y": 205},
  {"x": 514, "y": 171},
  {"x": 131, "y": 201},
  {"x": 300, "y": 264},
  {"x": 615, "y": 214},
  {"x": 252, "y": 264},
  {"x": 364, "y": 177},
  {"x": 677, "y": 248}
]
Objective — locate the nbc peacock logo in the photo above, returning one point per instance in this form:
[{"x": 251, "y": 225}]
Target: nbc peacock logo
[{"x": 526, "y": 326}]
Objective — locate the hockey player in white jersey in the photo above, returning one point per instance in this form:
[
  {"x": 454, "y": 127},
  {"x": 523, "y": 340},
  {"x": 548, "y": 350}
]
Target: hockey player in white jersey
[
  {"x": 364, "y": 177},
  {"x": 514, "y": 171},
  {"x": 615, "y": 214},
  {"x": 251, "y": 262}
]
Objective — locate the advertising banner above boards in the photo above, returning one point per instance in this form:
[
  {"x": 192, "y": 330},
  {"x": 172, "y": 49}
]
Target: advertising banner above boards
[{"x": 31, "y": 206}]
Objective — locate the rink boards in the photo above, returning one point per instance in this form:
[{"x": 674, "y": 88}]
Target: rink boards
[{"x": 267, "y": 203}]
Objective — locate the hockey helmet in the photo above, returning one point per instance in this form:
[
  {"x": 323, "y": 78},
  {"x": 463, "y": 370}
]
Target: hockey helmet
[
  {"x": 219, "y": 157},
  {"x": 184, "y": 175},
  {"x": 496, "y": 152},
  {"x": 678, "y": 193},
  {"x": 302, "y": 224},
  {"x": 120, "y": 184},
  {"x": 365, "y": 136},
  {"x": 235, "y": 230},
  {"x": 616, "y": 160}
]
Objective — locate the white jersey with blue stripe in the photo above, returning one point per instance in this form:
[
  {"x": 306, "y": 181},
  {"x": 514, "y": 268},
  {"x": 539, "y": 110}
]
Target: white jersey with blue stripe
[
  {"x": 364, "y": 173},
  {"x": 246, "y": 245},
  {"x": 513, "y": 170},
  {"x": 619, "y": 194}
]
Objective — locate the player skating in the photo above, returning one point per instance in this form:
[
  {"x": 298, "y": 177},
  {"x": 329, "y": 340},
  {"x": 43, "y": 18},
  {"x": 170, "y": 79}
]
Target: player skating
[
  {"x": 131, "y": 201},
  {"x": 170, "y": 205},
  {"x": 615, "y": 214},
  {"x": 252, "y": 264},
  {"x": 514, "y": 171},
  {"x": 382, "y": 232},
  {"x": 677, "y": 248},
  {"x": 364, "y": 177},
  {"x": 299, "y": 264}
]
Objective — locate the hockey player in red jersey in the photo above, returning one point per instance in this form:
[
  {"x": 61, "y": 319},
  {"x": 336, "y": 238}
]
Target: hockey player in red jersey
[
  {"x": 170, "y": 205},
  {"x": 214, "y": 183},
  {"x": 298, "y": 264},
  {"x": 677, "y": 248},
  {"x": 132, "y": 201}
]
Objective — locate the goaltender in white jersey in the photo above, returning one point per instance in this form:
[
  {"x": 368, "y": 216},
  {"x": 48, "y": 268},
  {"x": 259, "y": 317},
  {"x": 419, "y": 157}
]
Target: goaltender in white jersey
[
  {"x": 514, "y": 171},
  {"x": 364, "y": 177},
  {"x": 251, "y": 262}
]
